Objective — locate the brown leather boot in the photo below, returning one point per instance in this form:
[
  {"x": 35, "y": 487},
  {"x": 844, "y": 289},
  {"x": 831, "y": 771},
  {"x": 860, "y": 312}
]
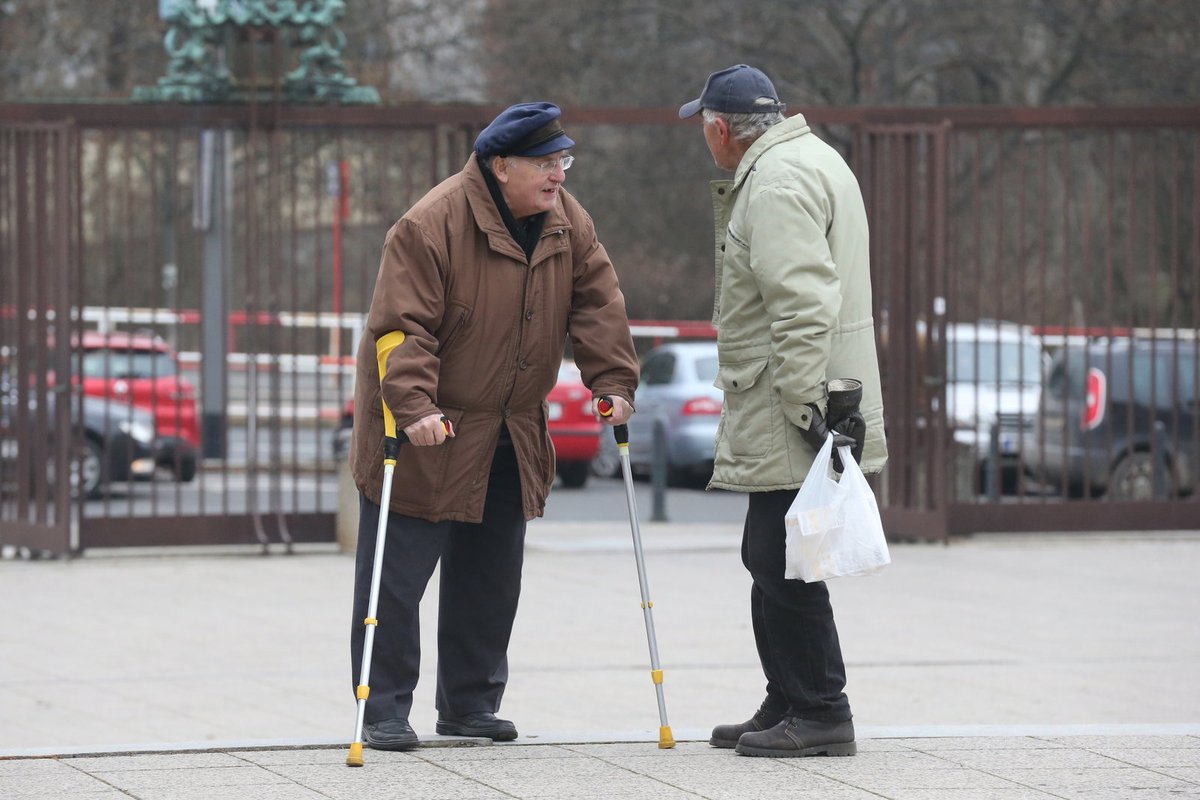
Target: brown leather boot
[
  {"x": 728, "y": 735},
  {"x": 794, "y": 737}
]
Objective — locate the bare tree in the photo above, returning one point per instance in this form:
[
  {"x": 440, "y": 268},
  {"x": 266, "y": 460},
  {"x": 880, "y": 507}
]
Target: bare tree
[{"x": 645, "y": 185}]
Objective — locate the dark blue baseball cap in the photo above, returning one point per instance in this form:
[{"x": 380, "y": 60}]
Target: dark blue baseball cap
[
  {"x": 526, "y": 129},
  {"x": 735, "y": 90}
]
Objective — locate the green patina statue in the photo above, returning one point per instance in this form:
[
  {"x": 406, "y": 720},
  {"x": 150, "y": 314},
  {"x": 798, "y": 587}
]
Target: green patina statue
[{"x": 227, "y": 51}]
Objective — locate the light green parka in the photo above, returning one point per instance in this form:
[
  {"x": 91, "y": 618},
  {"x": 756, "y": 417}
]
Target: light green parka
[{"x": 793, "y": 306}]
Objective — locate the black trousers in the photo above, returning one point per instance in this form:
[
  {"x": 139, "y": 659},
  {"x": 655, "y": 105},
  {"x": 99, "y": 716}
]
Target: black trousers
[
  {"x": 793, "y": 621},
  {"x": 480, "y": 586}
]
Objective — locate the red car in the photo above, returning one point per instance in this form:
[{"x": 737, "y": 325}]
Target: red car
[
  {"x": 574, "y": 429},
  {"x": 573, "y": 426},
  {"x": 142, "y": 369}
]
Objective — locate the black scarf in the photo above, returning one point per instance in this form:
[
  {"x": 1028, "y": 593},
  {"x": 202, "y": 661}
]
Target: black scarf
[{"x": 525, "y": 234}]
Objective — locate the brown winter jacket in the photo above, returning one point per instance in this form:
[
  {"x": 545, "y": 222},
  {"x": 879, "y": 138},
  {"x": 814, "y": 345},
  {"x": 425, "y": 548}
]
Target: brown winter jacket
[{"x": 484, "y": 336}]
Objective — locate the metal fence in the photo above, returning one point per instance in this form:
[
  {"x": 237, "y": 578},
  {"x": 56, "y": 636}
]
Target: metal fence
[
  {"x": 1005, "y": 249},
  {"x": 39, "y": 279},
  {"x": 246, "y": 239},
  {"x": 213, "y": 239}
]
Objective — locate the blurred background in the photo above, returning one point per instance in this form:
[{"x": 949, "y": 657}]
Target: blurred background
[{"x": 194, "y": 193}]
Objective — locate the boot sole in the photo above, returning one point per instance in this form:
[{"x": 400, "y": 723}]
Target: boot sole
[
  {"x": 402, "y": 744},
  {"x": 836, "y": 749},
  {"x": 495, "y": 734},
  {"x": 724, "y": 744}
]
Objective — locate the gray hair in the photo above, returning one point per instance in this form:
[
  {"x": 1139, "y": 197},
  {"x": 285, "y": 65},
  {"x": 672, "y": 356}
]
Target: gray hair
[
  {"x": 747, "y": 126},
  {"x": 485, "y": 163}
]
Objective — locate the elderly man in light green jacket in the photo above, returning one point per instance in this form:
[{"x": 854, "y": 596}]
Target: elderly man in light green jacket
[{"x": 793, "y": 311}]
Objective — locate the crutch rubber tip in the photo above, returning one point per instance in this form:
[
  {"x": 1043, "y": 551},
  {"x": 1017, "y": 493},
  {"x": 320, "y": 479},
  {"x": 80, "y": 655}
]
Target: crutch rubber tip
[
  {"x": 355, "y": 757},
  {"x": 665, "y": 740}
]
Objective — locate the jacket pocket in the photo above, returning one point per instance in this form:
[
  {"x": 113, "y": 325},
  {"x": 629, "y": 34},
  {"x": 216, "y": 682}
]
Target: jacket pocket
[
  {"x": 456, "y": 317},
  {"x": 748, "y": 420}
]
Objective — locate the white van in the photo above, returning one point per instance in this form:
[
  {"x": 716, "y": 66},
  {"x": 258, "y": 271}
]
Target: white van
[{"x": 994, "y": 373}]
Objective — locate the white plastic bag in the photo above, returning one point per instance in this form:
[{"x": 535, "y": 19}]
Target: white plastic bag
[{"x": 833, "y": 528}]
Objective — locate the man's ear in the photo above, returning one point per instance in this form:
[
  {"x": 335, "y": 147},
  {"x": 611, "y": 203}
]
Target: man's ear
[
  {"x": 723, "y": 130},
  {"x": 500, "y": 168}
]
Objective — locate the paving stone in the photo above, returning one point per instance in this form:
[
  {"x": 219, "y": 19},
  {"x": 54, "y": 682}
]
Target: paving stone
[
  {"x": 907, "y": 778},
  {"x": 988, "y": 699},
  {"x": 1166, "y": 756},
  {"x": 1130, "y": 793},
  {"x": 1019, "y": 793},
  {"x": 1055, "y": 778},
  {"x": 499, "y": 752},
  {"x": 987, "y": 743},
  {"x": 991, "y": 760},
  {"x": 156, "y": 761},
  {"x": 281, "y": 791},
  {"x": 139, "y": 779},
  {"x": 48, "y": 785}
]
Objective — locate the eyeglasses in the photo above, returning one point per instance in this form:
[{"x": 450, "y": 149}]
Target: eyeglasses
[{"x": 549, "y": 166}]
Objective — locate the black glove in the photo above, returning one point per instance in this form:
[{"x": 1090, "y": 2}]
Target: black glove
[
  {"x": 818, "y": 431},
  {"x": 842, "y": 414}
]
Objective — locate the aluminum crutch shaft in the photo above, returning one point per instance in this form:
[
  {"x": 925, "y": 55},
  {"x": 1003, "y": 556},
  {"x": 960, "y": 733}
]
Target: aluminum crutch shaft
[{"x": 621, "y": 433}]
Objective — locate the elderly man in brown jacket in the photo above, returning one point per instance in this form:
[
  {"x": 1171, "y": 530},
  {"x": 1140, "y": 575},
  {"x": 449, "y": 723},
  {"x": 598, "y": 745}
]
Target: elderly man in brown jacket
[{"x": 485, "y": 276}]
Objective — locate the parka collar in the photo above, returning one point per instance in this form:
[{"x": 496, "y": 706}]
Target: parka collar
[
  {"x": 790, "y": 128},
  {"x": 487, "y": 216}
]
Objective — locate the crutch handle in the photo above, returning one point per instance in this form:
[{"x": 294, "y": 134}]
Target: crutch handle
[
  {"x": 620, "y": 432},
  {"x": 402, "y": 438}
]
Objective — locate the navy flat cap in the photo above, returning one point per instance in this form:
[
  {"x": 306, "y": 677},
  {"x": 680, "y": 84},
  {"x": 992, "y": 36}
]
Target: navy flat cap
[
  {"x": 735, "y": 90},
  {"x": 526, "y": 129}
]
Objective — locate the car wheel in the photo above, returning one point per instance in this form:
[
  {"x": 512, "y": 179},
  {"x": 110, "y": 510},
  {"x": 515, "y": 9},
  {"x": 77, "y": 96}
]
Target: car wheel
[
  {"x": 679, "y": 476},
  {"x": 574, "y": 474},
  {"x": 185, "y": 472},
  {"x": 86, "y": 470},
  {"x": 607, "y": 463},
  {"x": 1134, "y": 478},
  {"x": 90, "y": 466}
]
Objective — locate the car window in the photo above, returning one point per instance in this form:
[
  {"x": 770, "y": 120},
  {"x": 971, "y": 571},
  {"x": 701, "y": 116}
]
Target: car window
[
  {"x": 1069, "y": 372},
  {"x": 658, "y": 369},
  {"x": 1165, "y": 380},
  {"x": 706, "y": 369},
  {"x": 1185, "y": 377},
  {"x": 127, "y": 364},
  {"x": 994, "y": 363}
]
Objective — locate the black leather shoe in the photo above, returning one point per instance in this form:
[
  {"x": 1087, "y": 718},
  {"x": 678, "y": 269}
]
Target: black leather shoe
[
  {"x": 477, "y": 723},
  {"x": 794, "y": 737},
  {"x": 390, "y": 734},
  {"x": 728, "y": 735}
]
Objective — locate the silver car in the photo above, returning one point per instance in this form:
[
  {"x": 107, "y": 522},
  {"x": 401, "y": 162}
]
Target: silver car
[{"x": 676, "y": 397}]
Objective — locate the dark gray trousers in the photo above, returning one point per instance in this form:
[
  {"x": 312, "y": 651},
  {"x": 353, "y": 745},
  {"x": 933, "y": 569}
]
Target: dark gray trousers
[
  {"x": 793, "y": 621},
  {"x": 480, "y": 585}
]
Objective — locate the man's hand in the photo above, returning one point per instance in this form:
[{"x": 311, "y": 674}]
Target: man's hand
[
  {"x": 621, "y": 410},
  {"x": 852, "y": 425},
  {"x": 843, "y": 416},
  {"x": 428, "y": 431},
  {"x": 818, "y": 432}
]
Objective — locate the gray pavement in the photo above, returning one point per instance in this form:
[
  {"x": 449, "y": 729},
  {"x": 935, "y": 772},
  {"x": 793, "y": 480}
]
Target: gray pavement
[{"x": 1036, "y": 666}]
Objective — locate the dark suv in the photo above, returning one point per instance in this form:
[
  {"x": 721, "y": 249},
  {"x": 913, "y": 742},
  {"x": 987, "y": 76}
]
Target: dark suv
[{"x": 1118, "y": 417}]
